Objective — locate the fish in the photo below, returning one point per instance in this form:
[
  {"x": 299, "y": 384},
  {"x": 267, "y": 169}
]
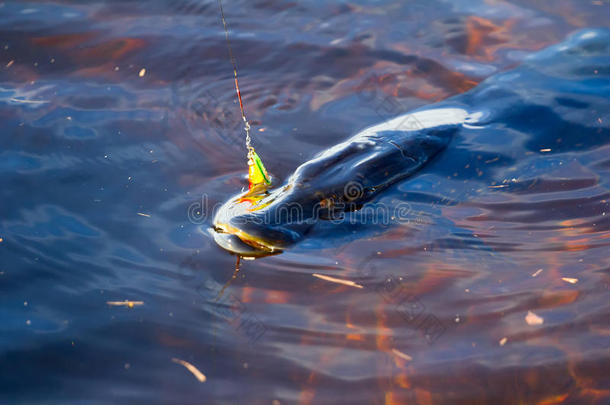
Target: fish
[{"x": 554, "y": 94}]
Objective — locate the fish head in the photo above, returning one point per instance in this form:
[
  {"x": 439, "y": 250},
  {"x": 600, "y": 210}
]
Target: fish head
[{"x": 260, "y": 222}]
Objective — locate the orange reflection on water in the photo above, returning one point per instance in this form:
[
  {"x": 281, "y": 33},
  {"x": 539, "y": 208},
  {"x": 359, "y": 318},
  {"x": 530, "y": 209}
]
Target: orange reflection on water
[
  {"x": 92, "y": 59},
  {"x": 64, "y": 41},
  {"x": 484, "y": 37}
]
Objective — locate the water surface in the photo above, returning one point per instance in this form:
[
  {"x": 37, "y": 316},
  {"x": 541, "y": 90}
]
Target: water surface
[{"x": 121, "y": 133}]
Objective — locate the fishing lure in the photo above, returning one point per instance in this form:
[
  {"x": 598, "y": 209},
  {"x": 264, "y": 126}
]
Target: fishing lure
[{"x": 257, "y": 174}]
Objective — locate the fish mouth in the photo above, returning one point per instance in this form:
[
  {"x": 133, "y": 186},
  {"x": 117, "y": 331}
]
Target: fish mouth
[
  {"x": 241, "y": 243},
  {"x": 233, "y": 243},
  {"x": 247, "y": 235}
]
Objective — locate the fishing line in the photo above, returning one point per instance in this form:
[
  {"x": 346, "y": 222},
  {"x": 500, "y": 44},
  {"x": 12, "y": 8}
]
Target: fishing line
[
  {"x": 257, "y": 174},
  {"x": 234, "y": 63}
]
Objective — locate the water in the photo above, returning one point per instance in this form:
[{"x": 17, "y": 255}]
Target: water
[{"x": 490, "y": 294}]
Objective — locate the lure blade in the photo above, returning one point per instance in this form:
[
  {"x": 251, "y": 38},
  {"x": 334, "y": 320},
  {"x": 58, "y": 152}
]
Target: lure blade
[{"x": 257, "y": 174}]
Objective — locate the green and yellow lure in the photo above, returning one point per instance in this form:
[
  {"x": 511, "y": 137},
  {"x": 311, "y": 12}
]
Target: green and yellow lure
[{"x": 257, "y": 174}]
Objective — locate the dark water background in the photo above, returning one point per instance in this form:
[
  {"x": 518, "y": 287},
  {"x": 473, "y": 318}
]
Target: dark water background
[{"x": 108, "y": 179}]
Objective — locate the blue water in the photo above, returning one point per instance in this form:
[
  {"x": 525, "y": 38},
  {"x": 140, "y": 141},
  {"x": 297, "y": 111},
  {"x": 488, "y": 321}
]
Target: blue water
[{"x": 104, "y": 166}]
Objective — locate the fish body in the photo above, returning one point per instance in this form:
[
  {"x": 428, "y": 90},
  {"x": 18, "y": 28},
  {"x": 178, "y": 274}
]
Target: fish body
[{"x": 535, "y": 104}]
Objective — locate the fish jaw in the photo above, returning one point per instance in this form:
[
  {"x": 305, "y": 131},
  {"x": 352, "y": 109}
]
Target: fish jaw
[{"x": 235, "y": 245}]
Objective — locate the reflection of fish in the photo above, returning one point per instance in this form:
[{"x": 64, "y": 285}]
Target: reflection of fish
[{"x": 555, "y": 100}]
